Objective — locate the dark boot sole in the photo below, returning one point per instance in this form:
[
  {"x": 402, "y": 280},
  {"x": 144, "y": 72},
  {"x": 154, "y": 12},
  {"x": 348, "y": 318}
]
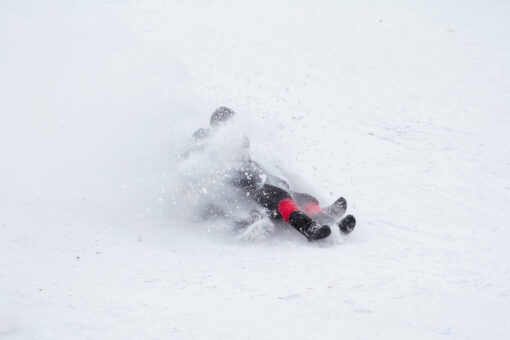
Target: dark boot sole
[
  {"x": 347, "y": 224},
  {"x": 323, "y": 232}
]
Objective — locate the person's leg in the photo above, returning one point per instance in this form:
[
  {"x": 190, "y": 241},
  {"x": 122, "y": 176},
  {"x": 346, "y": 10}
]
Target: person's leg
[
  {"x": 280, "y": 203},
  {"x": 304, "y": 200},
  {"x": 250, "y": 180},
  {"x": 276, "y": 200},
  {"x": 330, "y": 215},
  {"x": 310, "y": 205}
]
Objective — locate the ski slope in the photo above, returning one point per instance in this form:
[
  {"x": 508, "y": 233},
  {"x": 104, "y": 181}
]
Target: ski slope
[{"x": 401, "y": 107}]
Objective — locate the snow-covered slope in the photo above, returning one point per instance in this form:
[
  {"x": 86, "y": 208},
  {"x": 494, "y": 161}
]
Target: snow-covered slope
[{"x": 402, "y": 107}]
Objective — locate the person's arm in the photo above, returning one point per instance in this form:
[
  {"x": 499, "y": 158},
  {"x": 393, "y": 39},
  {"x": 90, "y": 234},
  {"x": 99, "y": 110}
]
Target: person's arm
[{"x": 199, "y": 143}]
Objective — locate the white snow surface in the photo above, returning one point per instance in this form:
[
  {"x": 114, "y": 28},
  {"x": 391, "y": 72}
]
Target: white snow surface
[{"x": 402, "y": 107}]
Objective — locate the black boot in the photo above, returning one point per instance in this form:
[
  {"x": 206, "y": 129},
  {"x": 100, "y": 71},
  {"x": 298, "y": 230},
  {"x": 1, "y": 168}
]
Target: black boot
[
  {"x": 337, "y": 208},
  {"x": 347, "y": 224},
  {"x": 306, "y": 226}
]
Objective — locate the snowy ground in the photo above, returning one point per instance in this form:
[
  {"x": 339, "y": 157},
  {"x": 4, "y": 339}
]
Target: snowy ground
[{"x": 402, "y": 107}]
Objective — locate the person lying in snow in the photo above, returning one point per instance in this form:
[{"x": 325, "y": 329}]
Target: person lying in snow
[{"x": 300, "y": 210}]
